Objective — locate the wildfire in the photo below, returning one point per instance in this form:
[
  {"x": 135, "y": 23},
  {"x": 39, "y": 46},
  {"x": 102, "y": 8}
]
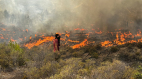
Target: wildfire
[
  {"x": 80, "y": 29},
  {"x": 100, "y": 32},
  {"x": 80, "y": 45},
  {"x": 30, "y": 45},
  {"x": 67, "y": 35},
  {"x": 106, "y": 43},
  {"x": 30, "y": 37},
  {"x": 3, "y": 29},
  {"x": 73, "y": 41},
  {"x": 35, "y": 35},
  {"x": 26, "y": 30},
  {"x": 67, "y": 38}
]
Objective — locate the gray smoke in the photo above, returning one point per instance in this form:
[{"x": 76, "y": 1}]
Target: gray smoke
[{"x": 60, "y": 15}]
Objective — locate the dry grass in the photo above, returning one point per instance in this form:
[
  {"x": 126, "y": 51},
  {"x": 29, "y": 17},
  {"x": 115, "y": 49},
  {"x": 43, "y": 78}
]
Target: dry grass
[{"x": 87, "y": 62}]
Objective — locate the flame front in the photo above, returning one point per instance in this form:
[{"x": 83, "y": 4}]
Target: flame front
[
  {"x": 80, "y": 45},
  {"x": 30, "y": 45},
  {"x": 120, "y": 38}
]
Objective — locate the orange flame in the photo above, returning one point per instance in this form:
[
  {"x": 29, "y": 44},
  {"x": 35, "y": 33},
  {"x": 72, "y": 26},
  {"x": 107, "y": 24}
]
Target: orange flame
[
  {"x": 35, "y": 35},
  {"x": 106, "y": 43},
  {"x": 80, "y": 45},
  {"x": 100, "y": 32},
  {"x": 73, "y": 41},
  {"x": 30, "y": 45},
  {"x": 27, "y": 30},
  {"x": 3, "y": 29},
  {"x": 67, "y": 35},
  {"x": 30, "y": 37}
]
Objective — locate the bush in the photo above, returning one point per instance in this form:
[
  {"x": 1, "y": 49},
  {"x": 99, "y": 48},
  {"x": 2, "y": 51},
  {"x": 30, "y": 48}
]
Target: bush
[
  {"x": 78, "y": 53},
  {"x": 108, "y": 70},
  {"x": 98, "y": 46},
  {"x": 46, "y": 70},
  {"x": 94, "y": 55},
  {"x": 137, "y": 53},
  {"x": 114, "y": 49},
  {"x": 130, "y": 46},
  {"x": 138, "y": 76},
  {"x": 11, "y": 55},
  {"x": 139, "y": 44}
]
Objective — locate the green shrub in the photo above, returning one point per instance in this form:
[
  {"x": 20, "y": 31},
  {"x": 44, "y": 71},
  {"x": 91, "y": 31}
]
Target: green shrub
[
  {"x": 11, "y": 55},
  {"x": 138, "y": 76},
  {"x": 139, "y": 68},
  {"x": 94, "y": 55}
]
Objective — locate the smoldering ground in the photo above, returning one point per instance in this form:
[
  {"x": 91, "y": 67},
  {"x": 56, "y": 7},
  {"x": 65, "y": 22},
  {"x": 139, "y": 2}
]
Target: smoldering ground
[{"x": 64, "y": 15}]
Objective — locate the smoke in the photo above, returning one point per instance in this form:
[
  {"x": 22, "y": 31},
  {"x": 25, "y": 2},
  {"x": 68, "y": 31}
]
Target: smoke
[{"x": 61, "y": 15}]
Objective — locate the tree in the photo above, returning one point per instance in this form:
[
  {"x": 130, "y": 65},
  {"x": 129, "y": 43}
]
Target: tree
[{"x": 6, "y": 14}]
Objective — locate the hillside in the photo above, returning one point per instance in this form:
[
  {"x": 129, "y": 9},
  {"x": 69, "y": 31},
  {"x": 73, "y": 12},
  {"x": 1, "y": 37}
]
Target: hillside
[{"x": 89, "y": 62}]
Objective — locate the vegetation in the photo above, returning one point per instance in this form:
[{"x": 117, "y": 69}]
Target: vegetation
[
  {"x": 11, "y": 55},
  {"x": 90, "y": 62}
]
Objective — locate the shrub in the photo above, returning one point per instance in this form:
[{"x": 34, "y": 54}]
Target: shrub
[
  {"x": 138, "y": 76},
  {"x": 78, "y": 53},
  {"x": 139, "y": 69},
  {"x": 137, "y": 53},
  {"x": 130, "y": 46},
  {"x": 109, "y": 70},
  {"x": 139, "y": 44},
  {"x": 98, "y": 46},
  {"x": 46, "y": 70},
  {"x": 94, "y": 55},
  {"x": 140, "y": 58},
  {"x": 11, "y": 55},
  {"x": 114, "y": 49}
]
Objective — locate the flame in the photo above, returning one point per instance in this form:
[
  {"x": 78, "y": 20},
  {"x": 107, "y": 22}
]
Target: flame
[
  {"x": 129, "y": 35},
  {"x": 120, "y": 38},
  {"x": 100, "y": 32},
  {"x": 63, "y": 39},
  {"x": 67, "y": 35},
  {"x": 21, "y": 39},
  {"x": 30, "y": 45},
  {"x": 3, "y": 29},
  {"x": 27, "y": 30},
  {"x": 79, "y": 29},
  {"x": 73, "y": 41},
  {"x": 106, "y": 43},
  {"x": 30, "y": 37},
  {"x": 138, "y": 34},
  {"x": 80, "y": 45},
  {"x": 35, "y": 35},
  {"x": 12, "y": 39}
]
